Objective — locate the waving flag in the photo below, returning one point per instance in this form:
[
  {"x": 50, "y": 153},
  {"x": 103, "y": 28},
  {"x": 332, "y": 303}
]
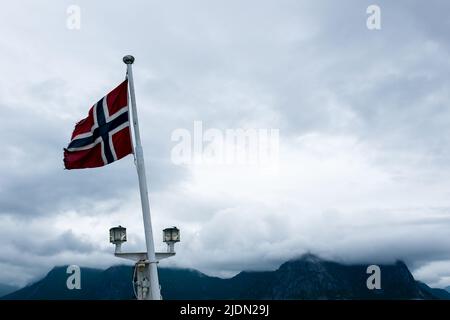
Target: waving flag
[{"x": 104, "y": 136}]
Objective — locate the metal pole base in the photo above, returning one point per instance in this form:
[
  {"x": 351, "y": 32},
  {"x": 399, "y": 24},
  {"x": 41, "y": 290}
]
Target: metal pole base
[{"x": 142, "y": 281}]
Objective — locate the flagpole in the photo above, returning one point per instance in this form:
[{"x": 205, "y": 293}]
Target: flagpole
[{"x": 154, "y": 293}]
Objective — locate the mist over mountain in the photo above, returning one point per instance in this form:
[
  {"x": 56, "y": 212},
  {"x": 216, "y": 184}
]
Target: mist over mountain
[
  {"x": 308, "y": 277},
  {"x": 6, "y": 289}
]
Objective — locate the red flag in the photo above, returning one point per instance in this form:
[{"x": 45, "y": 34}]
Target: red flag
[{"x": 104, "y": 136}]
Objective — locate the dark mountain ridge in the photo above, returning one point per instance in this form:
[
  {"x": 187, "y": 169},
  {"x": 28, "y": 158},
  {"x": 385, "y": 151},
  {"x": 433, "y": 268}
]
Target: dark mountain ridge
[{"x": 308, "y": 277}]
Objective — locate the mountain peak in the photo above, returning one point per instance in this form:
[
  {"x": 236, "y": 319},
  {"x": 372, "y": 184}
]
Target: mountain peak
[
  {"x": 307, "y": 260},
  {"x": 310, "y": 257}
]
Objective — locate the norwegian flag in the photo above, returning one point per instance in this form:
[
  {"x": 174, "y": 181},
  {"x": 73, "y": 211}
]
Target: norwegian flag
[{"x": 104, "y": 136}]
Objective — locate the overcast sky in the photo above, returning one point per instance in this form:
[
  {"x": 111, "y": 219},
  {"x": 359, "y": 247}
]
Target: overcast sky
[{"x": 363, "y": 117}]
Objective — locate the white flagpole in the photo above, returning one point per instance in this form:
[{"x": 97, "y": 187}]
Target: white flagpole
[{"x": 154, "y": 293}]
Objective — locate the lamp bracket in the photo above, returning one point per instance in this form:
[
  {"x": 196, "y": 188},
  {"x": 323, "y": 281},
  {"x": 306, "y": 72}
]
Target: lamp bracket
[{"x": 137, "y": 256}]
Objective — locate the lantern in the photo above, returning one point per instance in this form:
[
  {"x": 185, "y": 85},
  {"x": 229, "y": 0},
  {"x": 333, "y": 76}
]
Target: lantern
[
  {"x": 171, "y": 236},
  {"x": 118, "y": 235}
]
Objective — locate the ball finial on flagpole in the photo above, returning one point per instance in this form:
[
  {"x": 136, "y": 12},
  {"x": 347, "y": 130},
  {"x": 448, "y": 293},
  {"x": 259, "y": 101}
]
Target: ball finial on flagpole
[{"x": 128, "y": 59}]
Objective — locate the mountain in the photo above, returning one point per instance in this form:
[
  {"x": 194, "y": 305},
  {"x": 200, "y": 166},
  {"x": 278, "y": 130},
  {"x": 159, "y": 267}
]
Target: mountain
[
  {"x": 5, "y": 289},
  {"x": 308, "y": 277},
  {"x": 53, "y": 285},
  {"x": 448, "y": 288},
  {"x": 314, "y": 278},
  {"x": 441, "y": 294}
]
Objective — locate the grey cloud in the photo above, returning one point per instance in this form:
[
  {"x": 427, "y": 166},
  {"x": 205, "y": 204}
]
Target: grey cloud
[
  {"x": 301, "y": 66},
  {"x": 64, "y": 242}
]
